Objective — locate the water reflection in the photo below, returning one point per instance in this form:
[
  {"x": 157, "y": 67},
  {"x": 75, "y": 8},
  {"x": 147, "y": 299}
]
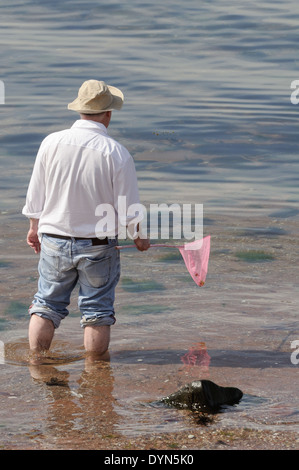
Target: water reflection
[
  {"x": 79, "y": 398},
  {"x": 196, "y": 361},
  {"x": 84, "y": 404}
]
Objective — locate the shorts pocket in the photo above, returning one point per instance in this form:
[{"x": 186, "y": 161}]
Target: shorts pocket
[
  {"x": 95, "y": 272},
  {"x": 49, "y": 267}
]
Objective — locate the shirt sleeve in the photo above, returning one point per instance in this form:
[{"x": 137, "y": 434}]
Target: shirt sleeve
[{"x": 35, "y": 198}]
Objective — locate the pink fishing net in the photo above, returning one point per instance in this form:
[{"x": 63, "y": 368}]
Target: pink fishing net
[{"x": 196, "y": 256}]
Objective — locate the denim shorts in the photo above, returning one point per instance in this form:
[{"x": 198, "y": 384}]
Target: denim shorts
[{"x": 63, "y": 264}]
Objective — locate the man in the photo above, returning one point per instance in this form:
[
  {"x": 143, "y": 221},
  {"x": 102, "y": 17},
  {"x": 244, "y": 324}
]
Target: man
[{"x": 76, "y": 170}]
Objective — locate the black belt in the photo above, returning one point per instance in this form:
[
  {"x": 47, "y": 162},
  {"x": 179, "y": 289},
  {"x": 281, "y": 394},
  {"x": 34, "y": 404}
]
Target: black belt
[{"x": 95, "y": 241}]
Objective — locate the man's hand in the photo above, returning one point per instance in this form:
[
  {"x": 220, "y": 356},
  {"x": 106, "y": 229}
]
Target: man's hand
[
  {"x": 142, "y": 244},
  {"x": 32, "y": 237}
]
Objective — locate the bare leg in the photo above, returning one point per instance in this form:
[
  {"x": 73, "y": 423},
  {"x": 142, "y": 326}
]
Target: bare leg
[
  {"x": 41, "y": 332},
  {"x": 96, "y": 339}
]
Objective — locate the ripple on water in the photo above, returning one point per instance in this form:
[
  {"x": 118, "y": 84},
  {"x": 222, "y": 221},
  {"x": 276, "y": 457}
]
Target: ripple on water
[{"x": 17, "y": 353}]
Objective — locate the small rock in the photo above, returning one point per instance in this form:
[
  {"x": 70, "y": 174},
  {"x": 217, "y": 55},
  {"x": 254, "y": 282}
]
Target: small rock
[{"x": 203, "y": 395}]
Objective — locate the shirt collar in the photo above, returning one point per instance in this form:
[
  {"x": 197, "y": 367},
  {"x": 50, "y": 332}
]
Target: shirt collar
[{"x": 88, "y": 124}]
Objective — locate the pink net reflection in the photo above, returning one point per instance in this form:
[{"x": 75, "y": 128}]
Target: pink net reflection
[{"x": 197, "y": 360}]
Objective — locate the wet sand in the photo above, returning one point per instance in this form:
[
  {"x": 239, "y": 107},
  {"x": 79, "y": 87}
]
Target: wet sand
[{"x": 237, "y": 329}]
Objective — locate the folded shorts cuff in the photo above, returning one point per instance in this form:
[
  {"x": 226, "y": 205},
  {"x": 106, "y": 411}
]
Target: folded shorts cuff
[
  {"x": 47, "y": 313},
  {"x": 97, "y": 320}
]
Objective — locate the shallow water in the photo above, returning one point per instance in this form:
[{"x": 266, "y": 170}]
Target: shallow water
[
  {"x": 236, "y": 331},
  {"x": 208, "y": 119}
]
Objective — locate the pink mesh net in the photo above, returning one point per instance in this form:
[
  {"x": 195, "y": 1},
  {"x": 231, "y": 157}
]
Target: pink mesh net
[{"x": 196, "y": 256}]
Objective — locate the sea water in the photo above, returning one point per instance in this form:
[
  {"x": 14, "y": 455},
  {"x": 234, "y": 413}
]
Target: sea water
[{"x": 210, "y": 117}]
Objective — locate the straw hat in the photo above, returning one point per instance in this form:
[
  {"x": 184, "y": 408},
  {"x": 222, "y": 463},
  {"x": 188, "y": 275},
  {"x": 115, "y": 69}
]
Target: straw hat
[{"x": 96, "y": 97}]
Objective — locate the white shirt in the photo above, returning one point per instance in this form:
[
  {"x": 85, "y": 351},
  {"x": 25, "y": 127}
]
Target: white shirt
[{"x": 75, "y": 172}]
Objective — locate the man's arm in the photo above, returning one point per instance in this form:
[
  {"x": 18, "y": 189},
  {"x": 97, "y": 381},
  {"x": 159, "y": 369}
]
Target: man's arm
[{"x": 32, "y": 237}]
